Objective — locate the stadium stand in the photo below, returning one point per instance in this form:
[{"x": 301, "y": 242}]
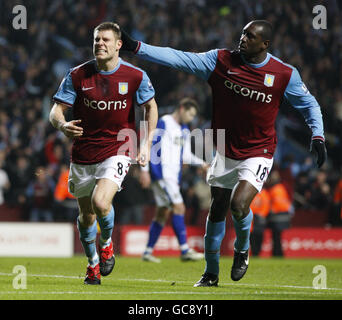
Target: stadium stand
[{"x": 59, "y": 35}]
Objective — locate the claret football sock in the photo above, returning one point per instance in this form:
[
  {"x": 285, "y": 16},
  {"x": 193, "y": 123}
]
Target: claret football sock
[
  {"x": 242, "y": 230},
  {"x": 179, "y": 228},
  {"x": 88, "y": 240},
  {"x": 106, "y": 225},
  {"x": 154, "y": 233},
  {"x": 214, "y": 233}
]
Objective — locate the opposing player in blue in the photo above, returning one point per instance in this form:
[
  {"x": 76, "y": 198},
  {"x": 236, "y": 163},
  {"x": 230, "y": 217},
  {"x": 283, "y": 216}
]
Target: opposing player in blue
[
  {"x": 248, "y": 86},
  {"x": 171, "y": 148}
]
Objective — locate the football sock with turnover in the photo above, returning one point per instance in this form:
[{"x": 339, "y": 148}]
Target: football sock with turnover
[
  {"x": 88, "y": 240},
  {"x": 154, "y": 233},
  {"x": 179, "y": 228},
  {"x": 106, "y": 225},
  {"x": 242, "y": 230},
  {"x": 214, "y": 233}
]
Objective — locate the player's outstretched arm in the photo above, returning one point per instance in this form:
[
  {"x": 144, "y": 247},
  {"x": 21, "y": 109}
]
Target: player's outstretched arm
[
  {"x": 199, "y": 64},
  {"x": 151, "y": 119},
  {"x": 301, "y": 99},
  {"x": 71, "y": 129}
]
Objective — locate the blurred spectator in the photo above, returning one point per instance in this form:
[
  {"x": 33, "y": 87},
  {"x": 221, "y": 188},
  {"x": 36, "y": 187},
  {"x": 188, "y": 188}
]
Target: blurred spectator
[
  {"x": 336, "y": 218},
  {"x": 40, "y": 196},
  {"x": 66, "y": 204},
  {"x": 321, "y": 193},
  {"x": 307, "y": 166},
  {"x": 20, "y": 174},
  {"x": 260, "y": 206},
  {"x": 302, "y": 192},
  {"x": 4, "y": 181},
  {"x": 280, "y": 209}
]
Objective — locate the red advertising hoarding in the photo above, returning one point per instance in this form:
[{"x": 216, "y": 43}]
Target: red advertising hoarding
[
  {"x": 297, "y": 242},
  {"x": 307, "y": 242},
  {"x": 133, "y": 240}
]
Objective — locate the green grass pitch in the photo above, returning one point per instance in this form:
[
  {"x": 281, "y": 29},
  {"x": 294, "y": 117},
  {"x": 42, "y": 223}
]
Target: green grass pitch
[{"x": 132, "y": 279}]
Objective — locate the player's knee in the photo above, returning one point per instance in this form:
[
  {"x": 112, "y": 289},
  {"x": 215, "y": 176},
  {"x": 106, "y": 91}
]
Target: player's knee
[
  {"x": 162, "y": 215},
  {"x": 86, "y": 219},
  {"x": 101, "y": 207},
  {"x": 216, "y": 216},
  {"x": 218, "y": 210},
  {"x": 239, "y": 208}
]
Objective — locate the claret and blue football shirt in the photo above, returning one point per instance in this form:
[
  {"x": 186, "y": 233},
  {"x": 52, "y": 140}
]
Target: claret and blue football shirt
[
  {"x": 104, "y": 101},
  {"x": 245, "y": 97}
]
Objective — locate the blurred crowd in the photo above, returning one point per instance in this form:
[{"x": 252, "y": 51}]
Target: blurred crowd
[{"x": 34, "y": 157}]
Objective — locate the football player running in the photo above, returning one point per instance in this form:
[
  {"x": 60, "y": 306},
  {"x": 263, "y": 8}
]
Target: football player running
[
  {"x": 102, "y": 93},
  {"x": 248, "y": 85}
]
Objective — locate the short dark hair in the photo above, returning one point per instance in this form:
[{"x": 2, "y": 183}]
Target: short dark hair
[
  {"x": 266, "y": 29},
  {"x": 188, "y": 103},
  {"x": 109, "y": 26}
]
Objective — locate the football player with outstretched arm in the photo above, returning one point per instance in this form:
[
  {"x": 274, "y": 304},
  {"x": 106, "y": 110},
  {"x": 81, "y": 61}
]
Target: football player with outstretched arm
[{"x": 248, "y": 85}]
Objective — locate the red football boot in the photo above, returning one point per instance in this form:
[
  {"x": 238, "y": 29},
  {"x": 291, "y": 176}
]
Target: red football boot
[
  {"x": 107, "y": 259},
  {"x": 93, "y": 275}
]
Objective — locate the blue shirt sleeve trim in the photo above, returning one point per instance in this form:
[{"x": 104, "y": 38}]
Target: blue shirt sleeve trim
[
  {"x": 199, "y": 64},
  {"x": 66, "y": 92},
  {"x": 145, "y": 91}
]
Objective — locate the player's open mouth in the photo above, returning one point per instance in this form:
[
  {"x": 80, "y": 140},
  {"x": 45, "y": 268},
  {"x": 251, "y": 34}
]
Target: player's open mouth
[{"x": 100, "y": 51}]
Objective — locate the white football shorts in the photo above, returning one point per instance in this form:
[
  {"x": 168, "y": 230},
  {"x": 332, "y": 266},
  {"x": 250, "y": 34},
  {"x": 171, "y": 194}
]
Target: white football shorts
[
  {"x": 226, "y": 173},
  {"x": 82, "y": 178},
  {"x": 166, "y": 193}
]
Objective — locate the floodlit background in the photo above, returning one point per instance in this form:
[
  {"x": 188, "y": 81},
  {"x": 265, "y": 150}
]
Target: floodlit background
[{"x": 34, "y": 157}]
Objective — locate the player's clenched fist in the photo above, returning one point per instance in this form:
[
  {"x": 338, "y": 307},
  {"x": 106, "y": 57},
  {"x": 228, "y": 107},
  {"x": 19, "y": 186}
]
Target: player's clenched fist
[
  {"x": 71, "y": 129},
  {"x": 143, "y": 157}
]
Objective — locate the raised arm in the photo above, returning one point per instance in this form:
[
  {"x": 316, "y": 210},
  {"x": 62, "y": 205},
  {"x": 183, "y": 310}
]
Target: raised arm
[{"x": 199, "y": 64}]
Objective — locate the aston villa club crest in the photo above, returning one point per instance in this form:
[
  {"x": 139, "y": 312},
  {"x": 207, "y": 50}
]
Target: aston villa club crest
[
  {"x": 123, "y": 87},
  {"x": 269, "y": 80}
]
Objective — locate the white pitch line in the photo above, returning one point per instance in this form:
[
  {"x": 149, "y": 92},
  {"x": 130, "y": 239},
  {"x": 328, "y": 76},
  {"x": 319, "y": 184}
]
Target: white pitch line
[
  {"x": 43, "y": 275},
  {"x": 236, "y": 284},
  {"x": 21, "y": 292},
  {"x": 183, "y": 282}
]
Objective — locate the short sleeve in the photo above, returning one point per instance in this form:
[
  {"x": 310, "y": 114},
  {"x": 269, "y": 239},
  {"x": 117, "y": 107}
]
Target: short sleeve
[
  {"x": 66, "y": 93},
  {"x": 145, "y": 91}
]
